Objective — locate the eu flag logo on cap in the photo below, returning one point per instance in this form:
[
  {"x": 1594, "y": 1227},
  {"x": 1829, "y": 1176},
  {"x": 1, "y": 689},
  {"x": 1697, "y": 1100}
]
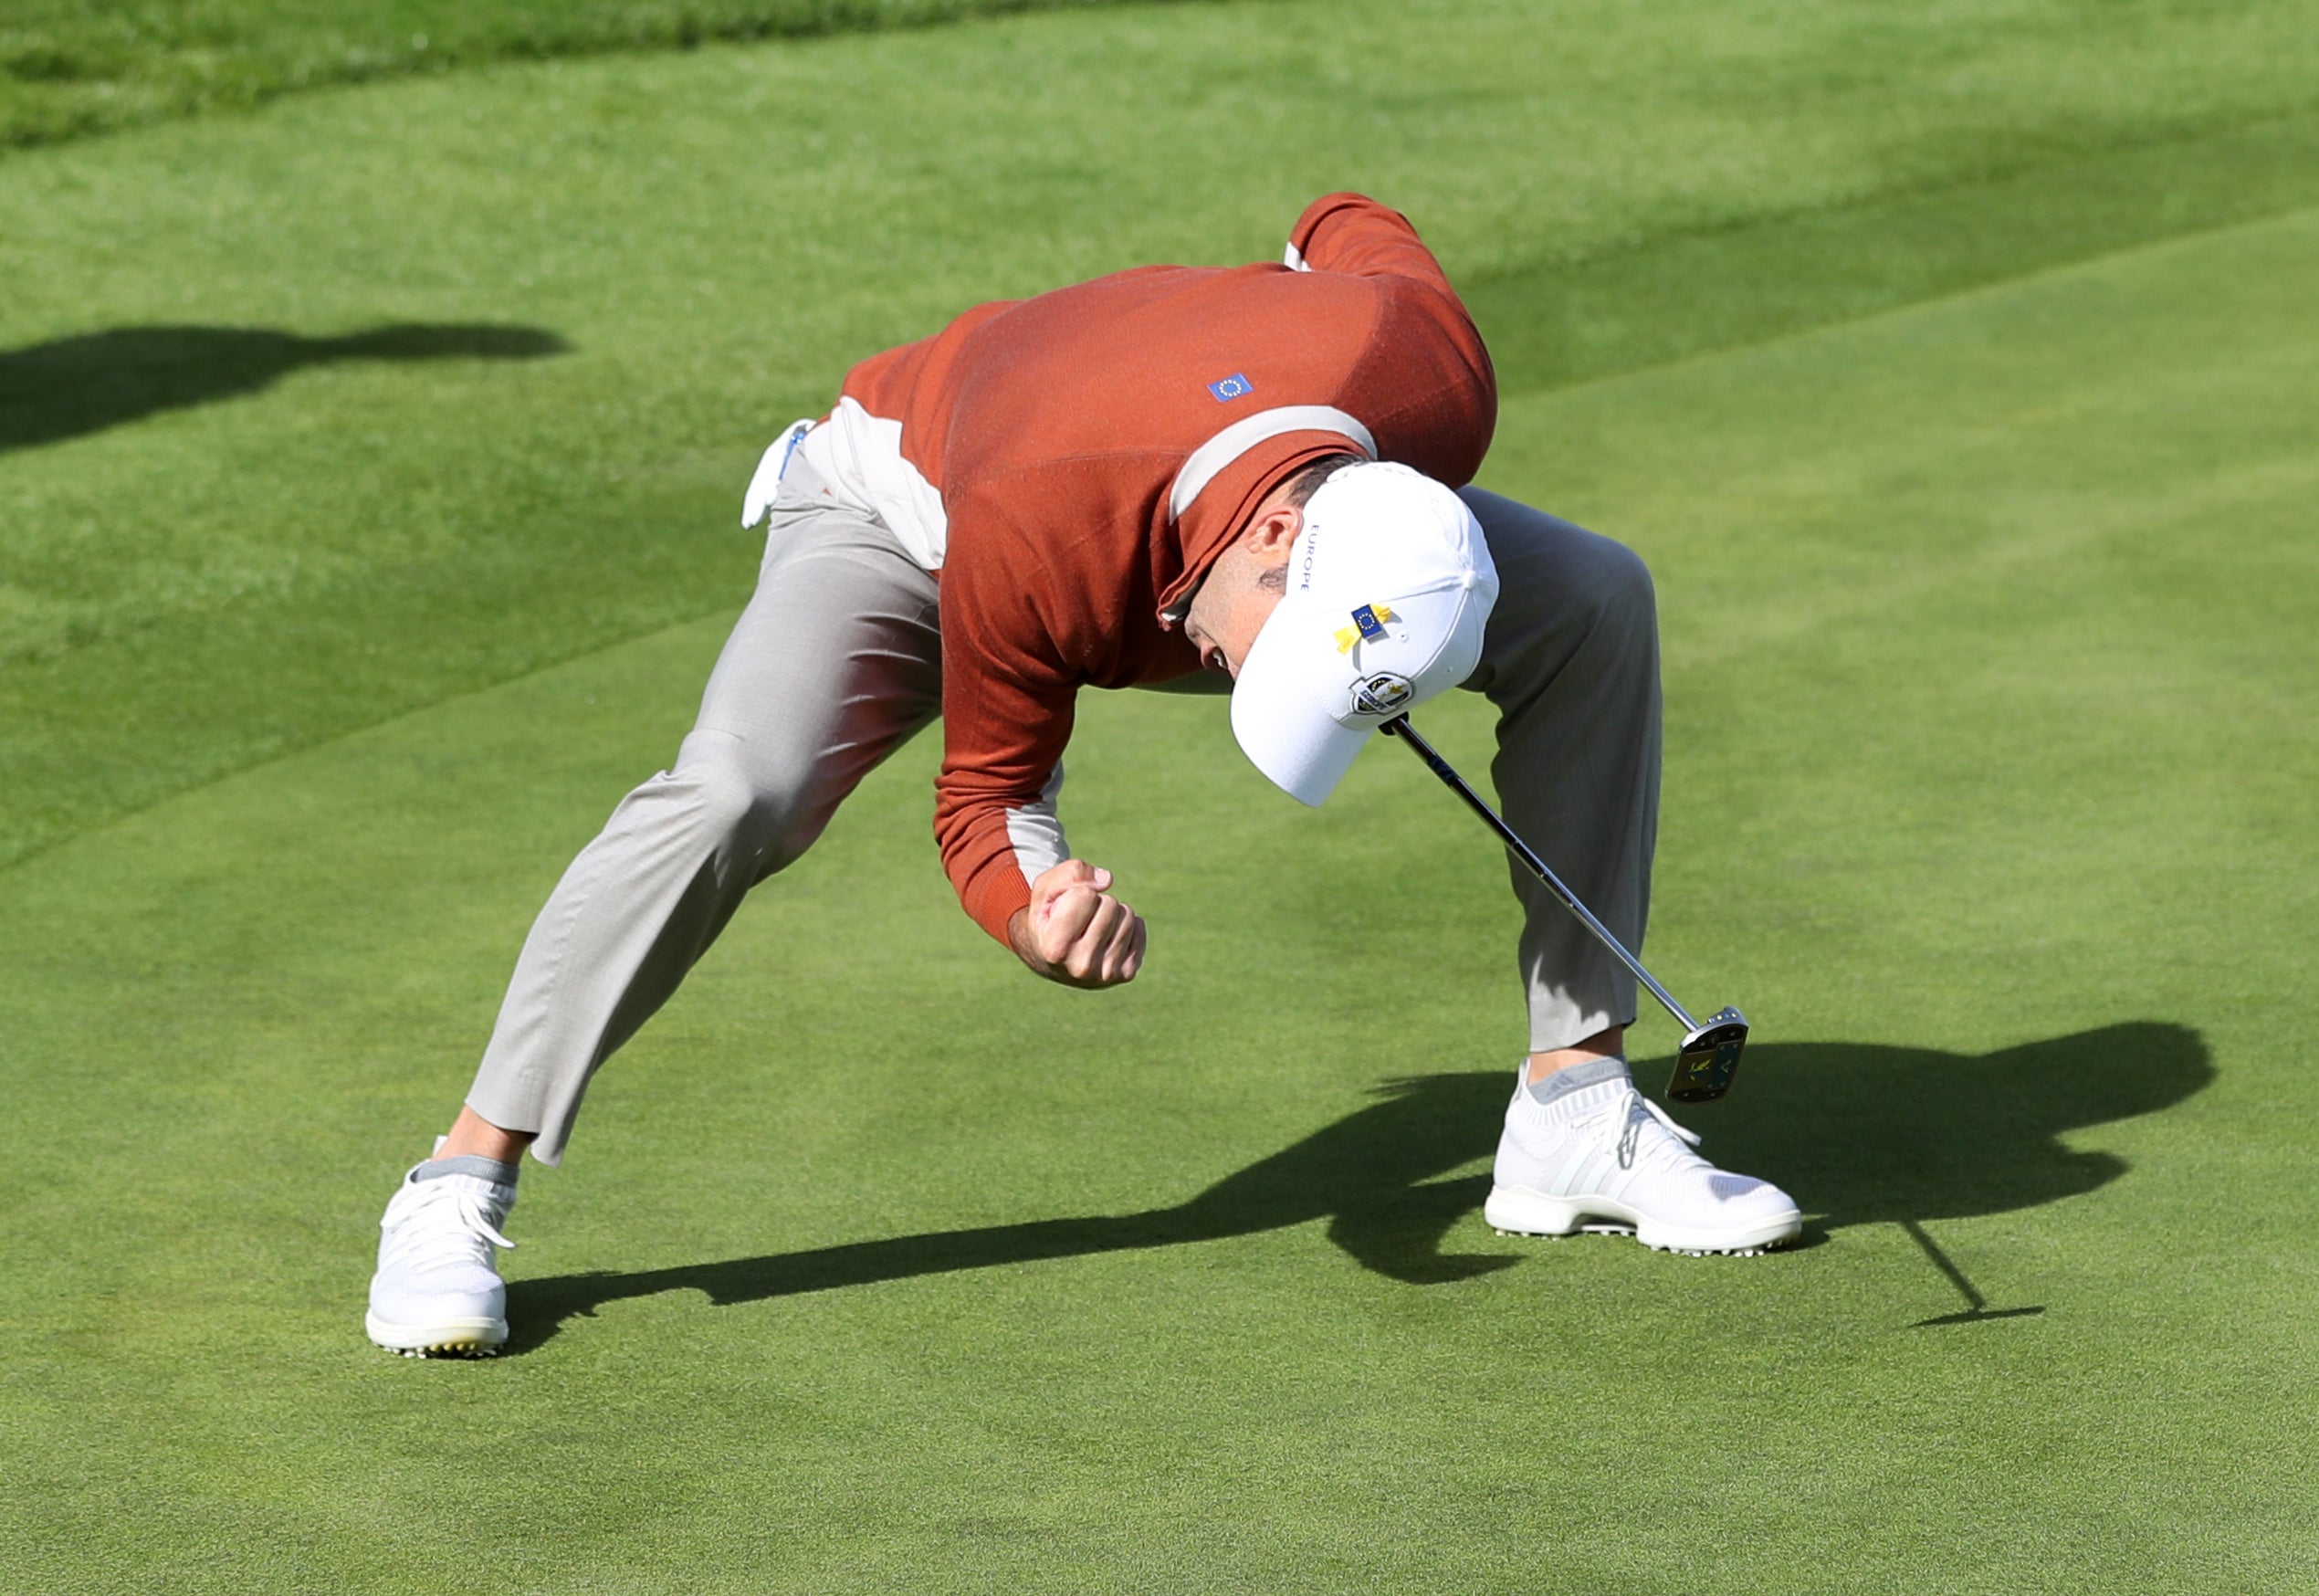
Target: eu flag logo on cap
[
  {"x": 1230, "y": 388},
  {"x": 1369, "y": 626}
]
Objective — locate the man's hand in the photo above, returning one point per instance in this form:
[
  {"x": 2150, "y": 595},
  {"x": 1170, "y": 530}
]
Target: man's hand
[{"x": 1075, "y": 931}]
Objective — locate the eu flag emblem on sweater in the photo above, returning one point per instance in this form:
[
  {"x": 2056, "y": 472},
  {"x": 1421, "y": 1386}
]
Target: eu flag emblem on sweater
[{"x": 1230, "y": 388}]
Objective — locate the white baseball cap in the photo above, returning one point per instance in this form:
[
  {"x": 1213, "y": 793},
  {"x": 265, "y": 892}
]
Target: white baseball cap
[{"x": 1390, "y": 583}]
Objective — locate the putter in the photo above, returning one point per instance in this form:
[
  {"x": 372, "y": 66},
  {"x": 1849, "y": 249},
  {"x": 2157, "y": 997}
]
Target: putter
[{"x": 1709, "y": 1056}]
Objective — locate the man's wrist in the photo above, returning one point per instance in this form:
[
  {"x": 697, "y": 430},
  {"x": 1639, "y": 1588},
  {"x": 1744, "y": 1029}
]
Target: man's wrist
[{"x": 1018, "y": 937}]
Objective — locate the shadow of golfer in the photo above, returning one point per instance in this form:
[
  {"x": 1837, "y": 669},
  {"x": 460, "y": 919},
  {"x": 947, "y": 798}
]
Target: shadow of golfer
[
  {"x": 1858, "y": 1133},
  {"x": 70, "y": 387},
  {"x": 1867, "y": 1135}
]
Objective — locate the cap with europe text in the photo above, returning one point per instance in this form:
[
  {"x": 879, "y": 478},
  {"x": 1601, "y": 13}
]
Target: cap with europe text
[{"x": 1389, "y": 585}]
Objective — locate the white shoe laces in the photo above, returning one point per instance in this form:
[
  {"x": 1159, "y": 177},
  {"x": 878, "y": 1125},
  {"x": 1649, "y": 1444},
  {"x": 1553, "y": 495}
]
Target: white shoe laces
[
  {"x": 1665, "y": 1155},
  {"x": 431, "y": 1223}
]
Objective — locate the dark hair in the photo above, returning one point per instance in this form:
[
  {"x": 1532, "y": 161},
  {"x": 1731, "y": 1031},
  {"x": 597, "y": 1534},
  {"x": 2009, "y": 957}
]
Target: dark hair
[{"x": 1300, "y": 488}]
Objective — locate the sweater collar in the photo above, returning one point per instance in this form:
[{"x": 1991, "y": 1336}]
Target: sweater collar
[{"x": 1220, "y": 505}]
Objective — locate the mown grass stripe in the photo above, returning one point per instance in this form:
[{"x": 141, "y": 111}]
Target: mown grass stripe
[
  {"x": 69, "y": 69},
  {"x": 1674, "y": 298}
]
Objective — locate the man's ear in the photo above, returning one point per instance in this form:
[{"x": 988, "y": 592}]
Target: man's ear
[{"x": 1270, "y": 535}]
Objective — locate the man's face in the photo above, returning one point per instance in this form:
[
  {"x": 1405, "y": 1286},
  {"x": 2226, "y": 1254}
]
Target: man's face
[{"x": 1236, "y": 599}]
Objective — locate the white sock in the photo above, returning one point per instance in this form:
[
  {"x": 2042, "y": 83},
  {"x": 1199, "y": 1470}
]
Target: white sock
[
  {"x": 469, "y": 1164},
  {"x": 1577, "y": 1077}
]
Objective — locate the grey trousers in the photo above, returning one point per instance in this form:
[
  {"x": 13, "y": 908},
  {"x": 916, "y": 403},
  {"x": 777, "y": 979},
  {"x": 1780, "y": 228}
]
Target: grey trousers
[{"x": 837, "y": 662}]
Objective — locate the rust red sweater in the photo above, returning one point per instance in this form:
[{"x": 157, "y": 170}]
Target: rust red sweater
[{"x": 1073, "y": 463}]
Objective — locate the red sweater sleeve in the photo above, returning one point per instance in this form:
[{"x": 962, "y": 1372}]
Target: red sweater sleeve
[
  {"x": 1353, "y": 234},
  {"x": 1008, "y": 696}
]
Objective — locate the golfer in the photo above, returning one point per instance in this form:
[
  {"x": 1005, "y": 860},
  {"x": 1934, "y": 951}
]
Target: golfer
[{"x": 1261, "y": 472}]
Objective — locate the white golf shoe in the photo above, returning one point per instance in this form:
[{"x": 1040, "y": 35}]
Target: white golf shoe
[
  {"x": 437, "y": 1292},
  {"x": 1603, "y": 1157}
]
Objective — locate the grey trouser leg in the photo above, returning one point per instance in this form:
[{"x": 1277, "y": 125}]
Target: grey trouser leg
[
  {"x": 835, "y": 664},
  {"x": 1571, "y": 660}
]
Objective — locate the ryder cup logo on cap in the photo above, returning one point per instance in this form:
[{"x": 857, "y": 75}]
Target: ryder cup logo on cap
[{"x": 1390, "y": 583}]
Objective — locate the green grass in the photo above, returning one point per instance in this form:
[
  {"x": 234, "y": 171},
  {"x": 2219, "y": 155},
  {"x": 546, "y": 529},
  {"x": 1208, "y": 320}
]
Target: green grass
[
  {"x": 70, "y": 69},
  {"x": 367, "y": 469},
  {"x": 636, "y": 209}
]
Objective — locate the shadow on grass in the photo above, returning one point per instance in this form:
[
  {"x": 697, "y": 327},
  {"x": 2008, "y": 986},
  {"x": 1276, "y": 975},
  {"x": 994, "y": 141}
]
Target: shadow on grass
[
  {"x": 1895, "y": 1135},
  {"x": 1862, "y": 1134},
  {"x": 71, "y": 387}
]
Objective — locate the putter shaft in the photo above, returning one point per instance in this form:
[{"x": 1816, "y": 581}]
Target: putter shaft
[{"x": 1399, "y": 725}]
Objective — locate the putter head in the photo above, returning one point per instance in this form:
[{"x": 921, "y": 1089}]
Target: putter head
[{"x": 1709, "y": 1058}]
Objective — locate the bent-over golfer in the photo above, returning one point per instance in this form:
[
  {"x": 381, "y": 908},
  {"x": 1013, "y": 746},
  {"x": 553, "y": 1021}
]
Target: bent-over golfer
[{"x": 1262, "y": 471}]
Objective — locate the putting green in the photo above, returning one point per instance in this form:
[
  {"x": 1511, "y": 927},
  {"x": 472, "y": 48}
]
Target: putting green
[
  {"x": 848, "y": 1332},
  {"x": 874, "y": 1264},
  {"x": 282, "y": 412}
]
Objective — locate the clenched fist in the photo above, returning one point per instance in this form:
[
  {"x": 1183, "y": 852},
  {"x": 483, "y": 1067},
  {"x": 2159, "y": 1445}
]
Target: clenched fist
[{"x": 1075, "y": 931}]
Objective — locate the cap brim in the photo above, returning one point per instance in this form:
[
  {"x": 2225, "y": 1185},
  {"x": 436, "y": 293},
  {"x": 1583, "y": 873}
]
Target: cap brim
[{"x": 1274, "y": 714}]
